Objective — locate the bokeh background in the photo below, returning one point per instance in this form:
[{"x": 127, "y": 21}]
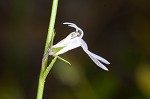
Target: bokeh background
[{"x": 118, "y": 30}]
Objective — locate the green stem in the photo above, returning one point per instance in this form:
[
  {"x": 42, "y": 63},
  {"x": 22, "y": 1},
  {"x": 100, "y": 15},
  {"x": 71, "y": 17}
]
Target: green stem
[
  {"x": 44, "y": 69},
  {"x": 50, "y": 33},
  {"x": 49, "y": 67},
  {"x": 51, "y": 24},
  {"x": 40, "y": 88}
]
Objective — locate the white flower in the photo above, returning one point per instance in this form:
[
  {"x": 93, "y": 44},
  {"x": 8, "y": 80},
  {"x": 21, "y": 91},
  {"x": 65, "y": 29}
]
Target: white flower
[{"x": 74, "y": 40}]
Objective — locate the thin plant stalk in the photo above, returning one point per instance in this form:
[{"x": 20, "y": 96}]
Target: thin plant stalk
[{"x": 44, "y": 68}]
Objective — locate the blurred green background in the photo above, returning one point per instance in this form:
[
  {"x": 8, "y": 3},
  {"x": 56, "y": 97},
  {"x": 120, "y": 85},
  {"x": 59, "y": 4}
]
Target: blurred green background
[{"x": 118, "y": 30}]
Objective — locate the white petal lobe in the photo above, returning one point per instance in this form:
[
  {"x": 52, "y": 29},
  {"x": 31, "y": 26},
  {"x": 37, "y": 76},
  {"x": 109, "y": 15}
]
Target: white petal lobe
[
  {"x": 99, "y": 58},
  {"x": 98, "y": 63},
  {"x": 94, "y": 57}
]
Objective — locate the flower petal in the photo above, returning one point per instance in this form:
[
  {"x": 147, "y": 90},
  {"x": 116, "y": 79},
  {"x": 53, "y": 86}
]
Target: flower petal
[
  {"x": 84, "y": 45},
  {"x": 99, "y": 58},
  {"x": 76, "y": 27},
  {"x": 70, "y": 46},
  {"x": 62, "y": 42},
  {"x": 93, "y": 56},
  {"x": 95, "y": 60},
  {"x": 98, "y": 63}
]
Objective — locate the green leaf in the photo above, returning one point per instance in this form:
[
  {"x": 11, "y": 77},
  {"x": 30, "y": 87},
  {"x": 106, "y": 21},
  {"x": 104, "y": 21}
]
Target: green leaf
[{"x": 64, "y": 60}]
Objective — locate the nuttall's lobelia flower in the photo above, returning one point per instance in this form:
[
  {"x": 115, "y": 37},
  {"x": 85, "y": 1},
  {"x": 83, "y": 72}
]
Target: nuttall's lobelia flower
[{"x": 72, "y": 41}]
